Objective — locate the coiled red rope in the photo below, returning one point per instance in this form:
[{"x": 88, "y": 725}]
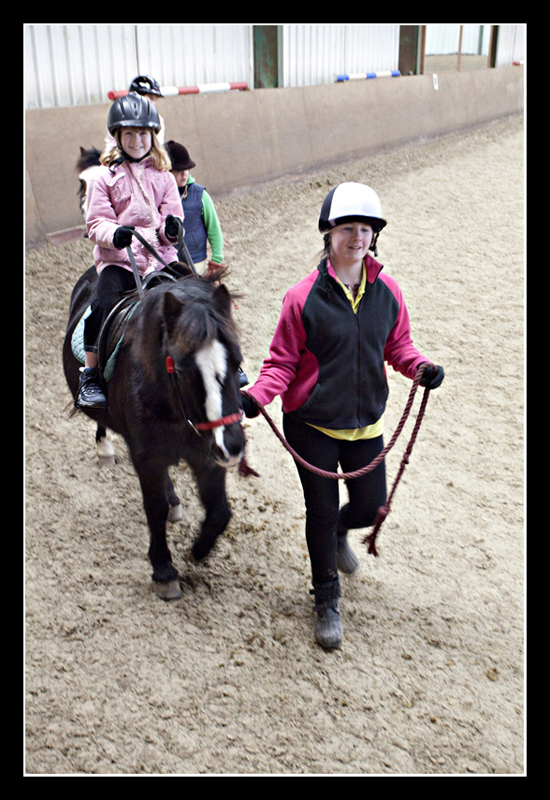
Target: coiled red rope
[{"x": 384, "y": 510}]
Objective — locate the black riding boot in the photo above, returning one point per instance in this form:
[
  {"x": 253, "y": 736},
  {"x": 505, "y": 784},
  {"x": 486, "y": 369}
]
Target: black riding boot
[
  {"x": 328, "y": 628},
  {"x": 90, "y": 393},
  {"x": 346, "y": 559},
  {"x": 243, "y": 379}
]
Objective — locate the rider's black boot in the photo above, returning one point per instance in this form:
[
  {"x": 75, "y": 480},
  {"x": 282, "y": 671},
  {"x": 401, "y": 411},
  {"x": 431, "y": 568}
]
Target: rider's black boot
[
  {"x": 243, "y": 379},
  {"x": 90, "y": 393}
]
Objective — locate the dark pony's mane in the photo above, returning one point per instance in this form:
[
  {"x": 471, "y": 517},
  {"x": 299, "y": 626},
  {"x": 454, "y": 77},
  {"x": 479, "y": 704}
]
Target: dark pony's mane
[
  {"x": 88, "y": 158},
  {"x": 193, "y": 312}
]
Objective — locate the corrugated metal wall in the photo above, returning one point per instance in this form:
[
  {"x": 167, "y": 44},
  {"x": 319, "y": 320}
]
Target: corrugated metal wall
[
  {"x": 511, "y": 44},
  {"x": 69, "y": 65},
  {"x": 444, "y": 38},
  {"x": 314, "y": 54},
  {"x": 187, "y": 55}
]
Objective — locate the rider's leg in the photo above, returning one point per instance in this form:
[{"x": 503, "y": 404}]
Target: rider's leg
[{"x": 113, "y": 281}]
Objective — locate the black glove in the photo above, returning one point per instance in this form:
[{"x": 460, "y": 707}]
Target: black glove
[
  {"x": 123, "y": 236},
  {"x": 432, "y": 377},
  {"x": 249, "y": 406},
  {"x": 172, "y": 226}
]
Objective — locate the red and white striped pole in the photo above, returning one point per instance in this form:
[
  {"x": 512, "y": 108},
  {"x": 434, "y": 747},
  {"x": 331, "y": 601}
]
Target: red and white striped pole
[{"x": 201, "y": 88}]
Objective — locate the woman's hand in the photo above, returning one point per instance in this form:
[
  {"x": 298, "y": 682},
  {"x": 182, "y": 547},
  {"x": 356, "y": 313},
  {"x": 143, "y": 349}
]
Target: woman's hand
[
  {"x": 249, "y": 406},
  {"x": 432, "y": 377}
]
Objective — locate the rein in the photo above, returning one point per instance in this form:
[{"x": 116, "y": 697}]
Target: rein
[
  {"x": 384, "y": 510},
  {"x": 183, "y": 253}
]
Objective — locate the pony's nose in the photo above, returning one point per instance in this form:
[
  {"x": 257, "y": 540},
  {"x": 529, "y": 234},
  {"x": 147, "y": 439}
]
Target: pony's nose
[
  {"x": 222, "y": 458},
  {"x": 228, "y": 449}
]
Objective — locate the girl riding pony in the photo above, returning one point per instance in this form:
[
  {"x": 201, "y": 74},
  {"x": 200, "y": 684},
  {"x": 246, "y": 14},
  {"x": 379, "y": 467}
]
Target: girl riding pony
[{"x": 133, "y": 190}]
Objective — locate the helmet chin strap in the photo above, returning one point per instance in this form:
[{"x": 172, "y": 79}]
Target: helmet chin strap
[{"x": 125, "y": 157}]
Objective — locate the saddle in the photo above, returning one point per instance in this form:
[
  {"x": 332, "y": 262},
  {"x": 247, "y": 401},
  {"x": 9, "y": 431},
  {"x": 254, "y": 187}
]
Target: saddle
[
  {"x": 112, "y": 332},
  {"x": 110, "y": 337}
]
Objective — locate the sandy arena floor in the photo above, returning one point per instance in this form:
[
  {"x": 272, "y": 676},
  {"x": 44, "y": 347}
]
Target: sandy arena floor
[{"x": 228, "y": 680}]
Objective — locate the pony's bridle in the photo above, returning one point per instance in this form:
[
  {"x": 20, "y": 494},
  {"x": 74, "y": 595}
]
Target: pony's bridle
[
  {"x": 183, "y": 253},
  {"x": 229, "y": 419}
]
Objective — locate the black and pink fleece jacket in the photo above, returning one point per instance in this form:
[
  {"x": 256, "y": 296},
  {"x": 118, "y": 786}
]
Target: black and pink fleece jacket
[{"x": 326, "y": 361}]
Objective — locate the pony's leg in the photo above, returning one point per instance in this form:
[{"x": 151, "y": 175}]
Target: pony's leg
[
  {"x": 153, "y": 481},
  {"x": 174, "y": 506},
  {"x": 104, "y": 448},
  {"x": 211, "y": 485}
]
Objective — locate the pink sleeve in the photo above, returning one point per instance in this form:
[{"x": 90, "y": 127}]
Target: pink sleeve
[
  {"x": 101, "y": 218},
  {"x": 281, "y": 366},
  {"x": 400, "y": 351}
]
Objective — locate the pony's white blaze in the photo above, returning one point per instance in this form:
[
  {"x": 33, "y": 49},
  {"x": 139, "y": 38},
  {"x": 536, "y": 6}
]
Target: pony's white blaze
[{"x": 212, "y": 362}]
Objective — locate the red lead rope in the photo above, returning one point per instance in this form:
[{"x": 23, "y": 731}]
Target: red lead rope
[{"x": 384, "y": 510}]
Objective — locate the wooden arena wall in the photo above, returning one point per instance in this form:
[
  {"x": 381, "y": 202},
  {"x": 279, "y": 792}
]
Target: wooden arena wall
[{"x": 240, "y": 139}]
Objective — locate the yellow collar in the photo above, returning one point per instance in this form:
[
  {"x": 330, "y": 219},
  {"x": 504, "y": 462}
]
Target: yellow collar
[{"x": 360, "y": 292}]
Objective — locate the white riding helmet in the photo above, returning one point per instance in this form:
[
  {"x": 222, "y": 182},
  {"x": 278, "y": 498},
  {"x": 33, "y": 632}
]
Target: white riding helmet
[{"x": 349, "y": 202}]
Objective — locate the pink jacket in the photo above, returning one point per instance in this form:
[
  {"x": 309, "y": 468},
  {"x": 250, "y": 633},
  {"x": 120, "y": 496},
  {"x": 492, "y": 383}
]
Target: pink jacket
[{"x": 135, "y": 194}]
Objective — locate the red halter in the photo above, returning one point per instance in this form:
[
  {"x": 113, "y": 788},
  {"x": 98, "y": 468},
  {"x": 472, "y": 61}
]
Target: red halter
[{"x": 230, "y": 419}]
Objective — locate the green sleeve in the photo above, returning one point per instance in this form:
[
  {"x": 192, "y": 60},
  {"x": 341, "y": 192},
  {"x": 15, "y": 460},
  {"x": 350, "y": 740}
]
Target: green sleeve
[{"x": 213, "y": 228}]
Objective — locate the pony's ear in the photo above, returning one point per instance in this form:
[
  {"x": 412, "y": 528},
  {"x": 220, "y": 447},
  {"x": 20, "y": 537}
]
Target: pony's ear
[
  {"x": 222, "y": 298},
  {"x": 171, "y": 310}
]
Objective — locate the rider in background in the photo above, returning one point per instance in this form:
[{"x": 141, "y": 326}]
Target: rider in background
[
  {"x": 202, "y": 225},
  {"x": 132, "y": 190},
  {"x": 337, "y": 327},
  {"x": 149, "y": 87}
]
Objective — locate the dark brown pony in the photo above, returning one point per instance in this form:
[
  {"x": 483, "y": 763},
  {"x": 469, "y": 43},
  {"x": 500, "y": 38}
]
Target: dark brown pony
[{"x": 174, "y": 394}]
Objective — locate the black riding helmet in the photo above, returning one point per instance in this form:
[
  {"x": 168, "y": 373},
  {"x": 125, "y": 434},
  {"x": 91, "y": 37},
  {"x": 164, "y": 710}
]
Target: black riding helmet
[
  {"x": 179, "y": 156},
  {"x": 144, "y": 84},
  {"x": 133, "y": 111}
]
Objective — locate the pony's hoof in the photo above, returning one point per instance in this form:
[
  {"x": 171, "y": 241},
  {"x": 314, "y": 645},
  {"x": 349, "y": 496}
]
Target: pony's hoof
[
  {"x": 168, "y": 591},
  {"x": 198, "y": 553},
  {"x": 175, "y": 514}
]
